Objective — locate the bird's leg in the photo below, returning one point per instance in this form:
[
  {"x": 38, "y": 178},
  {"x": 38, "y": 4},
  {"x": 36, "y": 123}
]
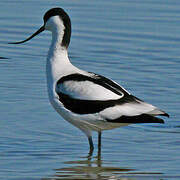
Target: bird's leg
[
  {"x": 91, "y": 146},
  {"x": 99, "y": 144}
]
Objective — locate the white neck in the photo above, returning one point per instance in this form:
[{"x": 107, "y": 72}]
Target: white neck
[
  {"x": 57, "y": 59},
  {"x": 58, "y": 64}
]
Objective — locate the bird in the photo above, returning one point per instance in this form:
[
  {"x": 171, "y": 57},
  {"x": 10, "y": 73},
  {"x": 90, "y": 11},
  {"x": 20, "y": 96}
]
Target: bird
[{"x": 89, "y": 101}]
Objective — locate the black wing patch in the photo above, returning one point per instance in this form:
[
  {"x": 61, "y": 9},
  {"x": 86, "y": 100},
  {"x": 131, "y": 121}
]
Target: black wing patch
[
  {"x": 79, "y": 106},
  {"x": 143, "y": 118}
]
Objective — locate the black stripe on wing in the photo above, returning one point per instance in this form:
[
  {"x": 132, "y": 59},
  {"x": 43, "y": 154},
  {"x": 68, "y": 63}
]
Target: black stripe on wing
[
  {"x": 96, "y": 79},
  {"x": 90, "y": 107},
  {"x": 80, "y": 106},
  {"x": 143, "y": 118}
]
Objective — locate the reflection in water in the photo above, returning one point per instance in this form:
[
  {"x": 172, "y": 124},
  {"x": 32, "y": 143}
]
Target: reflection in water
[
  {"x": 94, "y": 168},
  {"x": 90, "y": 168}
]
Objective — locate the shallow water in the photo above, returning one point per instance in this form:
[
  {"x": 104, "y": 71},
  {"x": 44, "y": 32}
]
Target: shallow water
[{"x": 137, "y": 44}]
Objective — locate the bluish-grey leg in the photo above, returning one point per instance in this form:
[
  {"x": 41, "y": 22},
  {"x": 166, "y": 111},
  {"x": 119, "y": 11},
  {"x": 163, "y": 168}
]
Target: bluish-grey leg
[
  {"x": 91, "y": 146},
  {"x": 99, "y": 144}
]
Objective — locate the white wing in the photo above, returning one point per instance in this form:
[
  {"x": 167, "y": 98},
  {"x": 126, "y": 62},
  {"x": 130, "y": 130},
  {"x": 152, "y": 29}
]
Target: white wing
[
  {"x": 135, "y": 107},
  {"x": 93, "y": 87},
  {"x": 86, "y": 90}
]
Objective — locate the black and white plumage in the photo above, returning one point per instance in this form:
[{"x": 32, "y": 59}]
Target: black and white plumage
[
  {"x": 95, "y": 94},
  {"x": 89, "y": 101}
]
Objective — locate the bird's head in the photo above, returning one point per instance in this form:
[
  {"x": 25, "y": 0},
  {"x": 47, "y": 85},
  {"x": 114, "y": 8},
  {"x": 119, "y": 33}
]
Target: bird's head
[{"x": 56, "y": 20}]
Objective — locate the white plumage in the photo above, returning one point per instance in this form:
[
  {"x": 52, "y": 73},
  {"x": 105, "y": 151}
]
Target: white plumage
[
  {"x": 89, "y": 101},
  {"x": 87, "y": 91}
]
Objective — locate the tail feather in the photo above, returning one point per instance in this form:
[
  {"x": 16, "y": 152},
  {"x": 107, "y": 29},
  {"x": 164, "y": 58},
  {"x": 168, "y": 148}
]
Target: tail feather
[
  {"x": 143, "y": 118},
  {"x": 165, "y": 114},
  {"x": 157, "y": 112}
]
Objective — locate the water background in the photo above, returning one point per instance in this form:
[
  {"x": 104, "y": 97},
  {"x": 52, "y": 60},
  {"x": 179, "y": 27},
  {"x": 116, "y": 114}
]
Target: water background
[{"x": 134, "y": 42}]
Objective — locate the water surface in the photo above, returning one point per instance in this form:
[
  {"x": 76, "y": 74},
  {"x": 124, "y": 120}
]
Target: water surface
[{"x": 137, "y": 44}]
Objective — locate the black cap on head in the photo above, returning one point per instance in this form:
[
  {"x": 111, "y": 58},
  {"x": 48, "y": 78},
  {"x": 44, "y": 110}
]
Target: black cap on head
[
  {"x": 66, "y": 20},
  {"x": 55, "y": 12}
]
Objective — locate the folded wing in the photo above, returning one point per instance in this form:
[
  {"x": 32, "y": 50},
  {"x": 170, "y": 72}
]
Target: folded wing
[{"x": 90, "y": 94}]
